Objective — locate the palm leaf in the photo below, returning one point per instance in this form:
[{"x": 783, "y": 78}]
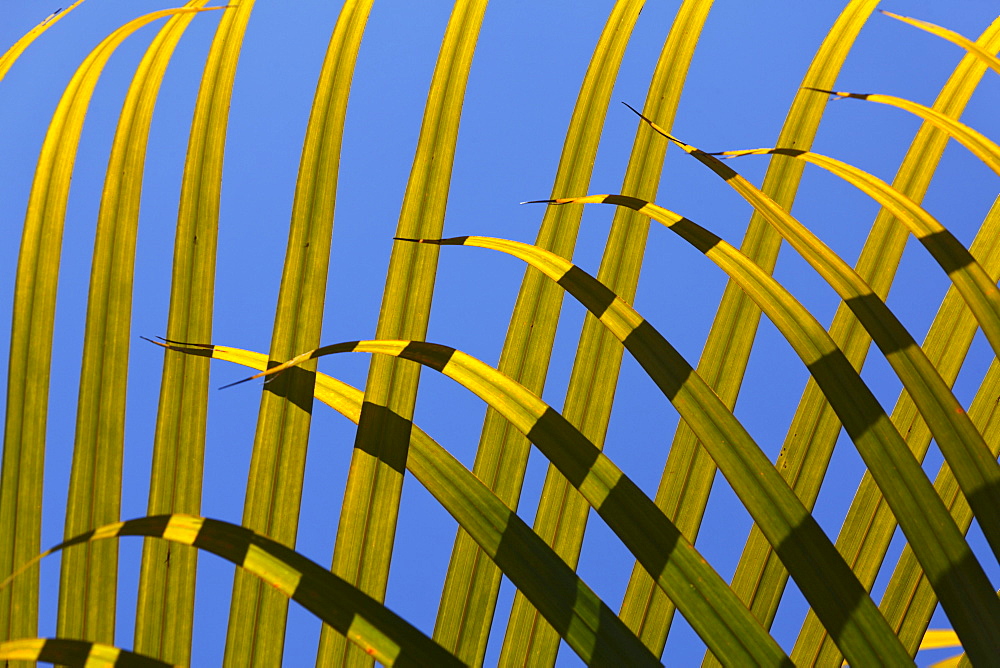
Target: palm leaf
[
  {"x": 31, "y": 338},
  {"x": 368, "y": 515},
  {"x": 562, "y": 514},
  {"x": 167, "y": 582},
  {"x": 88, "y": 610},
  {"x": 687, "y": 479},
  {"x": 978, "y": 50},
  {"x": 471, "y": 586},
  {"x": 9, "y": 57},
  {"x": 272, "y": 500},
  {"x": 367, "y": 623},
  {"x": 760, "y": 577},
  {"x": 723, "y": 623},
  {"x": 870, "y": 524},
  {"x": 902, "y": 480},
  {"x": 980, "y": 145},
  {"x": 972, "y": 281},
  {"x": 65, "y": 652},
  {"x": 963, "y": 446},
  {"x": 587, "y": 624}
]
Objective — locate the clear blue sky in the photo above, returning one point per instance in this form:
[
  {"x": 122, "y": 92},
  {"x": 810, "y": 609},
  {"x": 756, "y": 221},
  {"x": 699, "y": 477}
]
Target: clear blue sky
[{"x": 529, "y": 64}]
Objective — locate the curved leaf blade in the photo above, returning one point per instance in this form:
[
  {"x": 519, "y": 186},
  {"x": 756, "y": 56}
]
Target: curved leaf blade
[
  {"x": 367, "y": 526},
  {"x": 760, "y": 577},
  {"x": 65, "y": 652},
  {"x": 684, "y": 487},
  {"x": 592, "y": 629},
  {"x": 562, "y": 515},
  {"x": 87, "y": 593},
  {"x": 366, "y": 622},
  {"x": 33, "y": 315},
  {"x": 870, "y": 524},
  {"x": 955, "y": 38},
  {"x": 915, "y": 502},
  {"x": 472, "y": 584},
  {"x": 968, "y": 275},
  {"x": 977, "y": 143},
  {"x": 962, "y": 445},
  {"x": 14, "y": 52},
  {"x": 283, "y": 423},
  {"x": 698, "y": 591}
]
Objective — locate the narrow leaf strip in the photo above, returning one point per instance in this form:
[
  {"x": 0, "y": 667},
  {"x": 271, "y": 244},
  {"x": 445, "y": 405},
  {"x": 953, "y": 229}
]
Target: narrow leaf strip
[
  {"x": 33, "y": 315},
  {"x": 14, "y": 52},
  {"x": 277, "y": 465},
  {"x": 870, "y": 524},
  {"x": 63, "y": 652},
  {"x": 179, "y": 441},
  {"x": 980, "y": 145},
  {"x": 963, "y": 447},
  {"x": 924, "y": 518},
  {"x": 706, "y": 601},
  {"x": 687, "y": 479},
  {"x": 879, "y": 443},
  {"x": 582, "y": 619},
  {"x": 955, "y": 38},
  {"x": 87, "y": 592},
  {"x": 562, "y": 514},
  {"x": 363, "y": 549},
  {"x": 472, "y": 584},
  {"x": 366, "y": 622},
  {"x": 814, "y": 430},
  {"x": 909, "y": 601},
  {"x": 972, "y": 281}
]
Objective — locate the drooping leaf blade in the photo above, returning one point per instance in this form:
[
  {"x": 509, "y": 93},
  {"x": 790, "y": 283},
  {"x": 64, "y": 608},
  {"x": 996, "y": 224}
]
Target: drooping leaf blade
[
  {"x": 10, "y": 56},
  {"x": 179, "y": 440},
  {"x": 470, "y": 592},
  {"x": 698, "y": 591},
  {"x": 687, "y": 479},
  {"x": 369, "y": 624},
  {"x": 64, "y": 652},
  {"x": 363, "y": 548},
  {"x": 587, "y": 624},
  {"x": 979, "y": 144},
  {"x": 916, "y": 505},
  {"x": 976, "y": 470},
  {"x": 870, "y": 524},
  {"x": 87, "y": 591},
  {"x": 562, "y": 515},
  {"x": 978, "y": 50},
  {"x": 33, "y": 318},
  {"x": 273, "y": 499},
  {"x": 972, "y": 281},
  {"x": 760, "y": 577}
]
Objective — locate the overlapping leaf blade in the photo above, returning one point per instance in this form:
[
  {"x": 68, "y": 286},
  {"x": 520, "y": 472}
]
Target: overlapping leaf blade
[
  {"x": 368, "y": 515},
  {"x": 984, "y": 53},
  {"x": 869, "y": 525},
  {"x": 684, "y": 487},
  {"x": 471, "y": 587},
  {"x": 32, "y": 330},
  {"x": 88, "y": 580},
  {"x": 272, "y": 500},
  {"x": 723, "y": 623},
  {"x": 586, "y": 623},
  {"x": 369, "y": 624},
  {"x": 760, "y": 577},
  {"x": 166, "y": 595},
  {"x": 562, "y": 514},
  {"x": 65, "y": 652}
]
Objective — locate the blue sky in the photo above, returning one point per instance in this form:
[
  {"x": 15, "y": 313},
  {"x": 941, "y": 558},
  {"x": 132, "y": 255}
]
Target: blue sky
[{"x": 529, "y": 63}]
